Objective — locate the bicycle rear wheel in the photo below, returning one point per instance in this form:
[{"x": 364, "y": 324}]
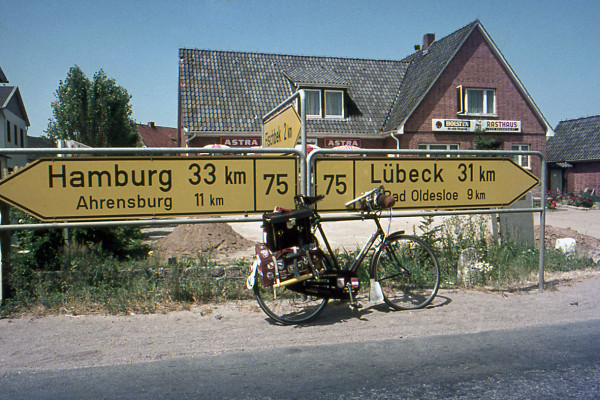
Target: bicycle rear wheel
[
  {"x": 287, "y": 306},
  {"x": 407, "y": 271}
]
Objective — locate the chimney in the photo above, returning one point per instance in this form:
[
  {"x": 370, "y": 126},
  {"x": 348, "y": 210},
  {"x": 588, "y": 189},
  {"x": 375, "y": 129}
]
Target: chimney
[
  {"x": 428, "y": 39},
  {"x": 151, "y": 124}
]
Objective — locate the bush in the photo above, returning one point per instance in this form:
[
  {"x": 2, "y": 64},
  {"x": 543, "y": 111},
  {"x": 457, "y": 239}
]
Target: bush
[
  {"x": 456, "y": 234},
  {"x": 44, "y": 249},
  {"x": 581, "y": 199},
  {"x": 501, "y": 264},
  {"x": 39, "y": 249},
  {"x": 553, "y": 199}
]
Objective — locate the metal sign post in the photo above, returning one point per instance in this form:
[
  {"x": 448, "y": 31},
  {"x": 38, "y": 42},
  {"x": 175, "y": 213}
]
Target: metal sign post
[
  {"x": 282, "y": 126},
  {"x": 479, "y": 178}
]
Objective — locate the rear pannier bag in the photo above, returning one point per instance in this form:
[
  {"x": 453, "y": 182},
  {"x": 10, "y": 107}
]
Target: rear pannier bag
[
  {"x": 287, "y": 267},
  {"x": 266, "y": 268},
  {"x": 287, "y": 229}
]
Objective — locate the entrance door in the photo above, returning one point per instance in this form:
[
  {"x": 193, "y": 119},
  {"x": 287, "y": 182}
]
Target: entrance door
[{"x": 556, "y": 180}]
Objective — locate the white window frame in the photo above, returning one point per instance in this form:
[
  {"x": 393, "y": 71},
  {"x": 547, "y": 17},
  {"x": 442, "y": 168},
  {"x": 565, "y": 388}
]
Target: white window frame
[
  {"x": 521, "y": 159},
  {"x": 320, "y": 104},
  {"x": 341, "y": 114},
  {"x": 463, "y": 101},
  {"x": 441, "y": 146}
]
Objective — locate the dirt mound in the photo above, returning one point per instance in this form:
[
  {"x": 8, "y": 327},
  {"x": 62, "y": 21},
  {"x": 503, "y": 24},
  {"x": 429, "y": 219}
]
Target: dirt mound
[
  {"x": 584, "y": 244},
  {"x": 193, "y": 240}
]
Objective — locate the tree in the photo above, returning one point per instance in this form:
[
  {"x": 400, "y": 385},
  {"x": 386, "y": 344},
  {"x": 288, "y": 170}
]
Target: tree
[
  {"x": 96, "y": 113},
  {"x": 486, "y": 143}
]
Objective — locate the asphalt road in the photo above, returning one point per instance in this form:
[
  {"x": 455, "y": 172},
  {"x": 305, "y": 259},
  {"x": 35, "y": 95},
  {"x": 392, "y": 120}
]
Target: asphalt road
[{"x": 550, "y": 362}]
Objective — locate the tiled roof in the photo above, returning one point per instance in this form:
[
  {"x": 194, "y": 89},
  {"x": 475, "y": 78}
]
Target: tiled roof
[
  {"x": 2, "y": 76},
  {"x": 10, "y": 98},
  {"x": 425, "y": 68},
  {"x": 39, "y": 142},
  {"x": 232, "y": 91},
  {"x": 575, "y": 140},
  {"x": 318, "y": 77},
  {"x": 6, "y": 93},
  {"x": 223, "y": 91},
  {"x": 157, "y": 136}
]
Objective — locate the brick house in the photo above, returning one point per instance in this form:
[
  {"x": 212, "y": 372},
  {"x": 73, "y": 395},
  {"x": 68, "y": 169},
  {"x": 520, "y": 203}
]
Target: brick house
[
  {"x": 443, "y": 96},
  {"x": 152, "y": 135},
  {"x": 574, "y": 156}
]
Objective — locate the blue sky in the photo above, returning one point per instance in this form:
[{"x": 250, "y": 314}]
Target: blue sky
[{"x": 553, "y": 46}]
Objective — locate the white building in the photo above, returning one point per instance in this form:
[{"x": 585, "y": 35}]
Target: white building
[{"x": 13, "y": 123}]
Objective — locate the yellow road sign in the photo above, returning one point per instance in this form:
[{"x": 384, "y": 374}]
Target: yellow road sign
[
  {"x": 143, "y": 187},
  {"x": 283, "y": 129},
  {"x": 424, "y": 183}
]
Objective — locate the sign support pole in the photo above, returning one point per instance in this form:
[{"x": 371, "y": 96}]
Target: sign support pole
[
  {"x": 277, "y": 119},
  {"x": 303, "y": 177},
  {"x": 542, "y": 226},
  {"x": 4, "y": 245}
]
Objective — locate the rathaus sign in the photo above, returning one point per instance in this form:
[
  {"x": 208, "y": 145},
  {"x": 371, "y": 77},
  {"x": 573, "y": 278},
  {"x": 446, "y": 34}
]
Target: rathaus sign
[{"x": 469, "y": 125}]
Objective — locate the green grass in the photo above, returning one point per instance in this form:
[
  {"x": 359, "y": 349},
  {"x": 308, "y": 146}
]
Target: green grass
[
  {"x": 93, "y": 284},
  {"x": 89, "y": 281}
]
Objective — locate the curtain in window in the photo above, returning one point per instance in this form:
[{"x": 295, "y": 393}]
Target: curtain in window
[
  {"x": 313, "y": 102},
  {"x": 475, "y": 101},
  {"x": 490, "y": 101},
  {"x": 333, "y": 103}
]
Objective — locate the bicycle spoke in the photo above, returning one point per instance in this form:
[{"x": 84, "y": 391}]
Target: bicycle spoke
[
  {"x": 287, "y": 306},
  {"x": 407, "y": 271}
]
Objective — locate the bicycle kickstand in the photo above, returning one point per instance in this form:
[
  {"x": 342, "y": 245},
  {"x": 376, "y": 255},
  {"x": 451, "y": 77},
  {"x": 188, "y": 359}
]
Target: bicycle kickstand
[{"x": 353, "y": 302}]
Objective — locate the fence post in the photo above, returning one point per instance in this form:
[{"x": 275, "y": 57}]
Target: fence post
[{"x": 4, "y": 244}]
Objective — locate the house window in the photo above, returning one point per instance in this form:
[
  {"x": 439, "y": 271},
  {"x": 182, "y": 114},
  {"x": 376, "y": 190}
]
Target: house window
[
  {"x": 313, "y": 103},
  {"x": 476, "y": 101},
  {"x": 331, "y": 107},
  {"x": 22, "y": 138},
  {"x": 8, "y": 131},
  {"x": 522, "y": 160},
  {"x": 334, "y": 104},
  {"x": 439, "y": 146},
  {"x": 16, "y": 131}
]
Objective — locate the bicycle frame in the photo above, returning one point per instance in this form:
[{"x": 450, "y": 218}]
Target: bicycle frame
[{"x": 378, "y": 234}]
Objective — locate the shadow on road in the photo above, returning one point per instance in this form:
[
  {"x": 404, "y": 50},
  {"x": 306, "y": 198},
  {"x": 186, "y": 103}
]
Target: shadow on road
[{"x": 337, "y": 312}]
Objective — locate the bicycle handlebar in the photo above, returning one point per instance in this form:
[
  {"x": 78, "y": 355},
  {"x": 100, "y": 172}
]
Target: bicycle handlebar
[
  {"x": 378, "y": 198},
  {"x": 364, "y": 196}
]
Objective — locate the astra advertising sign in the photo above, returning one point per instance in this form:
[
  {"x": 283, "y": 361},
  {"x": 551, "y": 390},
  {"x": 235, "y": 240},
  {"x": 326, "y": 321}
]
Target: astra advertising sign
[
  {"x": 335, "y": 142},
  {"x": 236, "y": 141}
]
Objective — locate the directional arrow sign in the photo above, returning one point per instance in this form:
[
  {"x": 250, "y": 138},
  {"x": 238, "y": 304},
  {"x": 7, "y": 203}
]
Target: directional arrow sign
[
  {"x": 142, "y": 187},
  {"x": 424, "y": 183},
  {"x": 283, "y": 129}
]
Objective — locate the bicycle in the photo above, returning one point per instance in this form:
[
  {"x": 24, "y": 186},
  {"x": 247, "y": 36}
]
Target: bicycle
[{"x": 293, "y": 278}]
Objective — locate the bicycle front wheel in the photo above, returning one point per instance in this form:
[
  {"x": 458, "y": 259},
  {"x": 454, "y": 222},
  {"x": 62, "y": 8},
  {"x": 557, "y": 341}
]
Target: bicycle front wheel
[
  {"x": 287, "y": 306},
  {"x": 407, "y": 271}
]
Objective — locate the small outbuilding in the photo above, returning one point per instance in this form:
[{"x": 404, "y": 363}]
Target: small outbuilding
[{"x": 573, "y": 156}]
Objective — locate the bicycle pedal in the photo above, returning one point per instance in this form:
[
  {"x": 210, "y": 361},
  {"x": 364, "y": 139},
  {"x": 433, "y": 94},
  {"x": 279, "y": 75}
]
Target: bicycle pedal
[{"x": 356, "y": 305}]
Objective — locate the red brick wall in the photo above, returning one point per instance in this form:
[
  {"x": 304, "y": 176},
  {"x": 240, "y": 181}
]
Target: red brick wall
[
  {"x": 475, "y": 65},
  {"x": 582, "y": 176}
]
